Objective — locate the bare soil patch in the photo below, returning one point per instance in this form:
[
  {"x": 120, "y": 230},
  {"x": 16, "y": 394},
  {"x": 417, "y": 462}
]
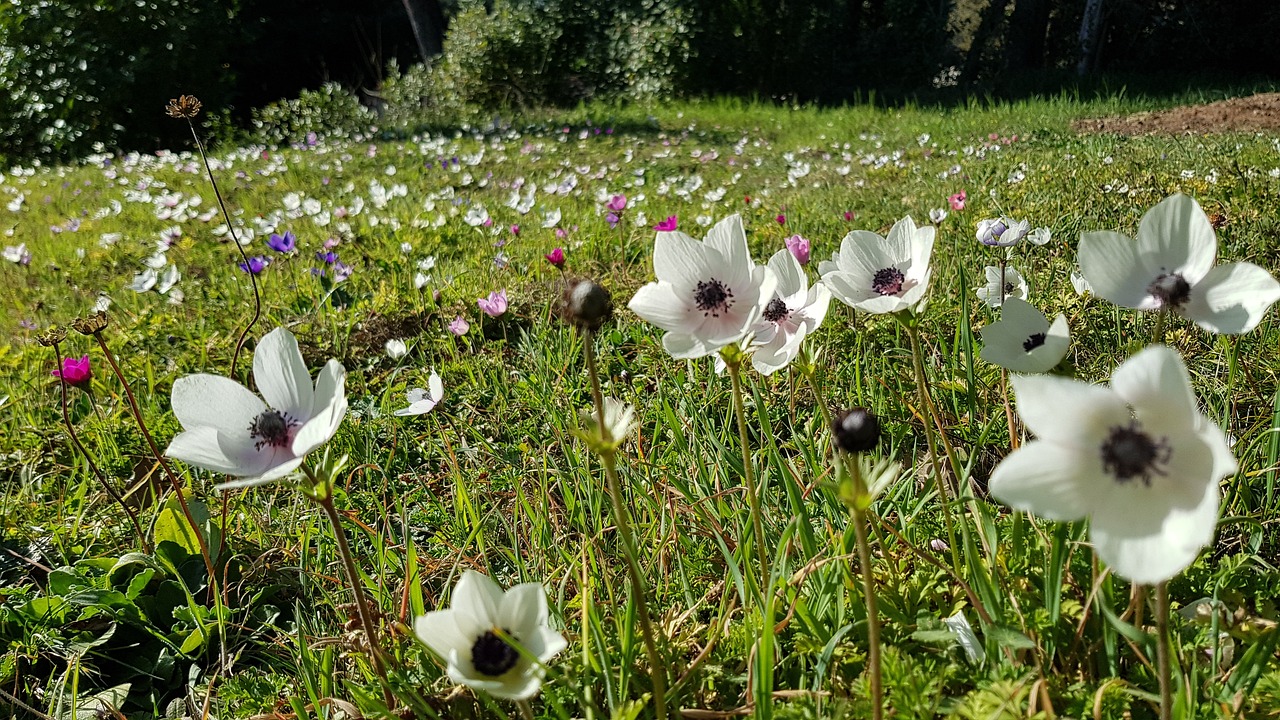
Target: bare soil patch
[{"x": 1256, "y": 113}]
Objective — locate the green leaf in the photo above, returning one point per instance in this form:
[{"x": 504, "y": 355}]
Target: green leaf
[{"x": 172, "y": 526}]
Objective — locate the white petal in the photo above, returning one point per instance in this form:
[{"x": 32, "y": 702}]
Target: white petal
[
  {"x": 331, "y": 406},
  {"x": 730, "y": 240},
  {"x": 438, "y": 629},
  {"x": 1156, "y": 384},
  {"x": 683, "y": 346},
  {"x": 1176, "y": 236},
  {"x": 1148, "y": 542},
  {"x": 436, "y": 385},
  {"x": 1232, "y": 299},
  {"x": 682, "y": 262},
  {"x": 1004, "y": 342},
  {"x": 517, "y": 686},
  {"x": 204, "y": 448},
  {"x": 658, "y": 304},
  {"x": 552, "y": 644},
  {"x": 213, "y": 401},
  {"x": 1068, "y": 412},
  {"x": 1052, "y": 481},
  {"x": 523, "y": 609},
  {"x": 275, "y": 472},
  {"x": 282, "y": 376},
  {"x": 475, "y": 603},
  {"x": 1109, "y": 263},
  {"x": 790, "y": 275}
]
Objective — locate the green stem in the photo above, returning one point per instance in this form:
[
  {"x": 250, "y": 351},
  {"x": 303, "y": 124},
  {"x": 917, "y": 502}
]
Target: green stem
[
  {"x": 922, "y": 390},
  {"x": 526, "y": 710},
  {"x": 1162, "y": 651},
  {"x": 753, "y": 498},
  {"x": 1157, "y": 334},
  {"x": 362, "y": 607},
  {"x": 657, "y": 670},
  {"x": 851, "y": 467}
]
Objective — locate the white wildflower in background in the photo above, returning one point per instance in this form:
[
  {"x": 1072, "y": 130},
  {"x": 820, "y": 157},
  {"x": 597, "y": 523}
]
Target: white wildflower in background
[
  {"x": 881, "y": 274},
  {"x": 1136, "y": 458},
  {"x": 423, "y": 401},
  {"x": 1023, "y": 340},
  {"x": 619, "y": 419},
  {"x": 1002, "y": 231},
  {"x": 228, "y": 429},
  {"x": 1040, "y": 236},
  {"x": 396, "y": 348},
  {"x": 466, "y": 636},
  {"x": 708, "y": 294},
  {"x": 1081, "y": 285},
  {"x": 1002, "y": 285},
  {"x": 1170, "y": 267},
  {"x": 794, "y": 311}
]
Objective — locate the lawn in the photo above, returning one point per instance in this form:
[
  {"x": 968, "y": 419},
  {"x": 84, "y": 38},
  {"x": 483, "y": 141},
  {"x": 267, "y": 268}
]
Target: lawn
[{"x": 386, "y": 253}]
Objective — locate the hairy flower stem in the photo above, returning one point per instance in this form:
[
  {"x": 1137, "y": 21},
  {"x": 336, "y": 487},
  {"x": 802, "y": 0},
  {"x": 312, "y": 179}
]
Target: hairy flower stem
[
  {"x": 93, "y": 467},
  {"x": 231, "y": 228},
  {"x": 753, "y": 492},
  {"x": 861, "y": 494},
  {"x": 608, "y": 457},
  {"x": 362, "y": 607},
  {"x": 926, "y": 411},
  {"x": 164, "y": 464},
  {"x": 1008, "y": 410},
  {"x": 1162, "y": 651},
  {"x": 526, "y": 710}
]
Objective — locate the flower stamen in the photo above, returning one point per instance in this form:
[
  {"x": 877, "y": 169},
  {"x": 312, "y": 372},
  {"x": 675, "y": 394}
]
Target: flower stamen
[
  {"x": 1130, "y": 452},
  {"x": 1033, "y": 341},
  {"x": 271, "y": 428},
  {"x": 493, "y": 656},
  {"x": 713, "y": 297},
  {"x": 888, "y": 281},
  {"x": 776, "y": 311},
  {"x": 1170, "y": 289}
]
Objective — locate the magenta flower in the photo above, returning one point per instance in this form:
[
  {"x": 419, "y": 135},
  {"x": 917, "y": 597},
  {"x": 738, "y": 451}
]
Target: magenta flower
[
  {"x": 515, "y": 230},
  {"x": 668, "y": 225},
  {"x": 75, "y": 371},
  {"x": 617, "y": 203},
  {"x": 957, "y": 200},
  {"x": 282, "y": 243},
  {"x": 782, "y": 219},
  {"x": 556, "y": 257},
  {"x": 459, "y": 326},
  {"x": 849, "y": 215},
  {"x": 799, "y": 248},
  {"x": 495, "y": 304}
]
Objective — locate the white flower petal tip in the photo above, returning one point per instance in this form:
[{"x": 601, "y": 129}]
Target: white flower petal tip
[
  {"x": 881, "y": 274},
  {"x": 708, "y": 294},
  {"x": 228, "y": 429},
  {"x": 1024, "y": 340},
  {"x": 1136, "y": 458},
  {"x": 423, "y": 401},
  {"x": 493, "y": 641},
  {"x": 1002, "y": 284},
  {"x": 1170, "y": 266}
]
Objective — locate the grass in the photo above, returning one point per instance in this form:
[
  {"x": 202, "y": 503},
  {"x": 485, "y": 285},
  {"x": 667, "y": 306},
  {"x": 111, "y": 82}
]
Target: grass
[{"x": 497, "y": 477}]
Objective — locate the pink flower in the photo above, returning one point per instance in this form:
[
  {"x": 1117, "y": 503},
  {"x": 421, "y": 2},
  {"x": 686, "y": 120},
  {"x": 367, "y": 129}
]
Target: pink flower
[
  {"x": 75, "y": 371},
  {"x": 617, "y": 203},
  {"x": 849, "y": 215},
  {"x": 561, "y": 234},
  {"x": 668, "y": 225},
  {"x": 957, "y": 200},
  {"x": 782, "y": 219},
  {"x": 556, "y": 257},
  {"x": 495, "y": 304},
  {"x": 459, "y": 326},
  {"x": 515, "y": 230},
  {"x": 800, "y": 248}
]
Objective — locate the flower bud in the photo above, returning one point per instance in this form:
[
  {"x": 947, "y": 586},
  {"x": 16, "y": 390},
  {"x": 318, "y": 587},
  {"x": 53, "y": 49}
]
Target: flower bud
[
  {"x": 856, "y": 430},
  {"x": 586, "y": 305}
]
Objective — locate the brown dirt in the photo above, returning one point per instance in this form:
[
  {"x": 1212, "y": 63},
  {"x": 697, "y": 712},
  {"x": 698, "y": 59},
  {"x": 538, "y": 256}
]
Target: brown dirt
[{"x": 1256, "y": 113}]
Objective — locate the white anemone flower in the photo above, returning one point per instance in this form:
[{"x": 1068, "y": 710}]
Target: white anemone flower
[
  {"x": 1000, "y": 289},
  {"x": 396, "y": 348},
  {"x": 1023, "y": 340},
  {"x": 881, "y": 274},
  {"x": 1002, "y": 231},
  {"x": 709, "y": 294},
  {"x": 1136, "y": 458},
  {"x": 795, "y": 311},
  {"x": 1170, "y": 267},
  {"x": 469, "y": 636},
  {"x": 228, "y": 429},
  {"x": 423, "y": 401},
  {"x": 1082, "y": 286}
]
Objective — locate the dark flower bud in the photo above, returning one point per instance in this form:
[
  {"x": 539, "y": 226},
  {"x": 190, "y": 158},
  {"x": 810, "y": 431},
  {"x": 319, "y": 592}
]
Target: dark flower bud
[
  {"x": 92, "y": 324},
  {"x": 586, "y": 304},
  {"x": 856, "y": 430},
  {"x": 52, "y": 336}
]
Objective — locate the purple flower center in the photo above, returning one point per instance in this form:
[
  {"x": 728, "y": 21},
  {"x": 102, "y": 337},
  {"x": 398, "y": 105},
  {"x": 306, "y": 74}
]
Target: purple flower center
[
  {"x": 271, "y": 428},
  {"x": 712, "y": 297},
  {"x": 1170, "y": 289},
  {"x": 1033, "y": 341},
  {"x": 776, "y": 311},
  {"x": 493, "y": 656},
  {"x": 888, "y": 281},
  {"x": 1130, "y": 453}
]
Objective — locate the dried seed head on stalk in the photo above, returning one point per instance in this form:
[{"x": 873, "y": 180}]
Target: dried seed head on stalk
[
  {"x": 52, "y": 336},
  {"x": 92, "y": 324},
  {"x": 186, "y": 106}
]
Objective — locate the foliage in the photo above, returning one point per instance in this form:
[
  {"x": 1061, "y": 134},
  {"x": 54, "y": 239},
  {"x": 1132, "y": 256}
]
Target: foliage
[{"x": 331, "y": 111}]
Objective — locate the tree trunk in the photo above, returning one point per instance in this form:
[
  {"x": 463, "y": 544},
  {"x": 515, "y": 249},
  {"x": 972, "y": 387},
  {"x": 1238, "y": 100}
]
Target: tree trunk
[
  {"x": 426, "y": 19},
  {"x": 1090, "y": 28}
]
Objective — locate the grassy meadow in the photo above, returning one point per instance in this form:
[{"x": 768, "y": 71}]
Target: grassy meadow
[{"x": 498, "y": 476}]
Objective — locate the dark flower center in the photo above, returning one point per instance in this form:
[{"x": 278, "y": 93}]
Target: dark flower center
[
  {"x": 1008, "y": 289},
  {"x": 1171, "y": 289},
  {"x": 1033, "y": 341},
  {"x": 271, "y": 428},
  {"x": 493, "y": 656},
  {"x": 1131, "y": 453},
  {"x": 888, "y": 281},
  {"x": 713, "y": 297},
  {"x": 776, "y": 311}
]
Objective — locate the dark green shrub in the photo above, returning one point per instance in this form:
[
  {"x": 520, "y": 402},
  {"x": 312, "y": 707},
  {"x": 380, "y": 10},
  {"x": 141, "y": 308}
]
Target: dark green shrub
[{"x": 331, "y": 111}]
